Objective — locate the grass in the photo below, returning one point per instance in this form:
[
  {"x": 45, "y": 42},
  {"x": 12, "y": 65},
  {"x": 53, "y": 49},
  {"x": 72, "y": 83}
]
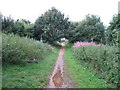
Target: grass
[
  {"x": 82, "y": 77},
  {"x": 30, "y": 76}
]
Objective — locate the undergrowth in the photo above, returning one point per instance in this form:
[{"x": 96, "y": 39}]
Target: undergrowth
[
  {"x": 21, "y": 50},
  {"x": 82, "y": 76},
  {"x": 102, "y": 60}
]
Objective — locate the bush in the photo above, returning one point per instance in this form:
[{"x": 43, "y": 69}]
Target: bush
[
  {"x": 102, "y": 59},
  {"x": 17, "y": 50}
]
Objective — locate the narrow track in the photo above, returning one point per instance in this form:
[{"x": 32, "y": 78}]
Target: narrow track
[{"x": 57, "y": 79}]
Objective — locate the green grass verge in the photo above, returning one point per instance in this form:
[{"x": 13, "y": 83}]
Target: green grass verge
[
  {"x": 30, "y": 76},
  {"x": 82, "y": 77}
]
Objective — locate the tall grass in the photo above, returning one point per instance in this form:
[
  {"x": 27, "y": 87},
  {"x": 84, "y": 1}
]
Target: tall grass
[
  {"x": 102, "y": 59},
  {"x": 82, "y": 76},
  {"x": 17, "y": 50}
]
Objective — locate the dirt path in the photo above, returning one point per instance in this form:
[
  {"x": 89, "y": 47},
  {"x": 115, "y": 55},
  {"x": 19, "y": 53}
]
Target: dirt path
[{"x": 58, "y": 79}]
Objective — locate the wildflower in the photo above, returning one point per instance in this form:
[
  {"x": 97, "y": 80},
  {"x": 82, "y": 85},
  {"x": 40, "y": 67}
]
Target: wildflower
[{"x": 77, "y": 44}]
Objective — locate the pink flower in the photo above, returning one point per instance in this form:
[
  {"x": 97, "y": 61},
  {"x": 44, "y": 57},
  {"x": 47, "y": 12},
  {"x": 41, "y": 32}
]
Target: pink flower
[{"x": 77, "y": 44}]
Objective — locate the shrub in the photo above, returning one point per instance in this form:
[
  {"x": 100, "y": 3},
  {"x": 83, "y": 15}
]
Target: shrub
[
  {"x": 17, "y": 50},
  {"x": 101, "y": 58}
]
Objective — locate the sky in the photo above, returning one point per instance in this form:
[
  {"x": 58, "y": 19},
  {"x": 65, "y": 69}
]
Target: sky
[{"x": 74, "y": 9}]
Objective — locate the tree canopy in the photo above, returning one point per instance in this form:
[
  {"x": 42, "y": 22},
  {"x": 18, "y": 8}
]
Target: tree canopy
[
  {"x": 20, "y": 27},
  {"x": 51, "y": 26},
  {"x": 89, "y": 29},
  {"x": 113, "y": 30}
]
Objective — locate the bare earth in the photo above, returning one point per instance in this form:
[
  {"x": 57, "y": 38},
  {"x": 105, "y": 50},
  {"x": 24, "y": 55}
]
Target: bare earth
[{"x": 59, "y": 78}]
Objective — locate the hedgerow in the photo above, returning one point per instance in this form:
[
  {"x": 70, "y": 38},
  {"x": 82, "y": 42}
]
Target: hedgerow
[
  {"x": 21, "y": 50},
  {"x": 101, "y": 59}
]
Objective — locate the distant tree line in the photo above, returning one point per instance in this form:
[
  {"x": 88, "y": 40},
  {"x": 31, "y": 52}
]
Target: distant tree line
[
  {"x": 53, "y": 25},
  {"x": 20, "y": 27}
]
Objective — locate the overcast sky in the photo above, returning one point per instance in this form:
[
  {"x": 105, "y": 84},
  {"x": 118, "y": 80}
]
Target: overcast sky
[{"x": 74, "y": 9}]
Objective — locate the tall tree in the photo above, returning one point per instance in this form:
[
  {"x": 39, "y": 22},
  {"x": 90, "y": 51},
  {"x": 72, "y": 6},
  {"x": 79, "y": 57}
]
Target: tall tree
[
  {"x": 51, "y": 26},
  {"x": 113, "y": 30},
  {"x": 7, "y": 24},
  {"x": 70, "y": 34},
  {"x": 20, "y": 27},
  {"x": 90, "y": 29}
]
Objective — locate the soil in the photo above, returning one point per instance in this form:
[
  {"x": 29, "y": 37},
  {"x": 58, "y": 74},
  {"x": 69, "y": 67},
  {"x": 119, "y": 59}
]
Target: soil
[{"x": 59, "y": 77}]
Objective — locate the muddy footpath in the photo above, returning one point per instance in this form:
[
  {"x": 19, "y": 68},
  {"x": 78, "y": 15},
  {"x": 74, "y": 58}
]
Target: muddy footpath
[{"x": 59, "y": 77}]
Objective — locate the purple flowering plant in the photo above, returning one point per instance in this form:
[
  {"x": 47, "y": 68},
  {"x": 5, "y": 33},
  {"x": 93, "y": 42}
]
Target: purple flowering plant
[{"x": 79, "y": 43}]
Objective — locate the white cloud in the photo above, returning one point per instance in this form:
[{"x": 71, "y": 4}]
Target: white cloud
[{"x": 75, "y": 9}]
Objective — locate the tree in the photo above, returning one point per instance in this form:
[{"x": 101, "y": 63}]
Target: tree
[
  {"x": 113, "y": 30},
  {"x": 7, "y": 24},
  {"x": 23, "y": 28},
  {"x": 90, "y": 29},
  {"x": 20, "y": 27},
  {"x": 51, "y": 26},
  {"x": 70, "y": 34}
]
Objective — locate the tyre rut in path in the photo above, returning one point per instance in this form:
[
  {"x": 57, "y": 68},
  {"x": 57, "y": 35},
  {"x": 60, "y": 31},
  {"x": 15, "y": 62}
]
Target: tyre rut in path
[{"x": 58, "y": 80}]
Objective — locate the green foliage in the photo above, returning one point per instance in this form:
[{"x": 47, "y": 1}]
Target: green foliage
[
  {"x": 81, "y": 76},
  {"x": 51, "y": 26},
  {"x": 7, "y": 24},
  {"x": 30, "y": 76},
  {"x": 102, "y": 59},
  {"x": 71, "y": 33},
  {"x": 19, "y": 27},
  {"x": 113, "y": 31},
  {"x": 89, "y": 29},
  {"x": 18, "y": 50}
]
